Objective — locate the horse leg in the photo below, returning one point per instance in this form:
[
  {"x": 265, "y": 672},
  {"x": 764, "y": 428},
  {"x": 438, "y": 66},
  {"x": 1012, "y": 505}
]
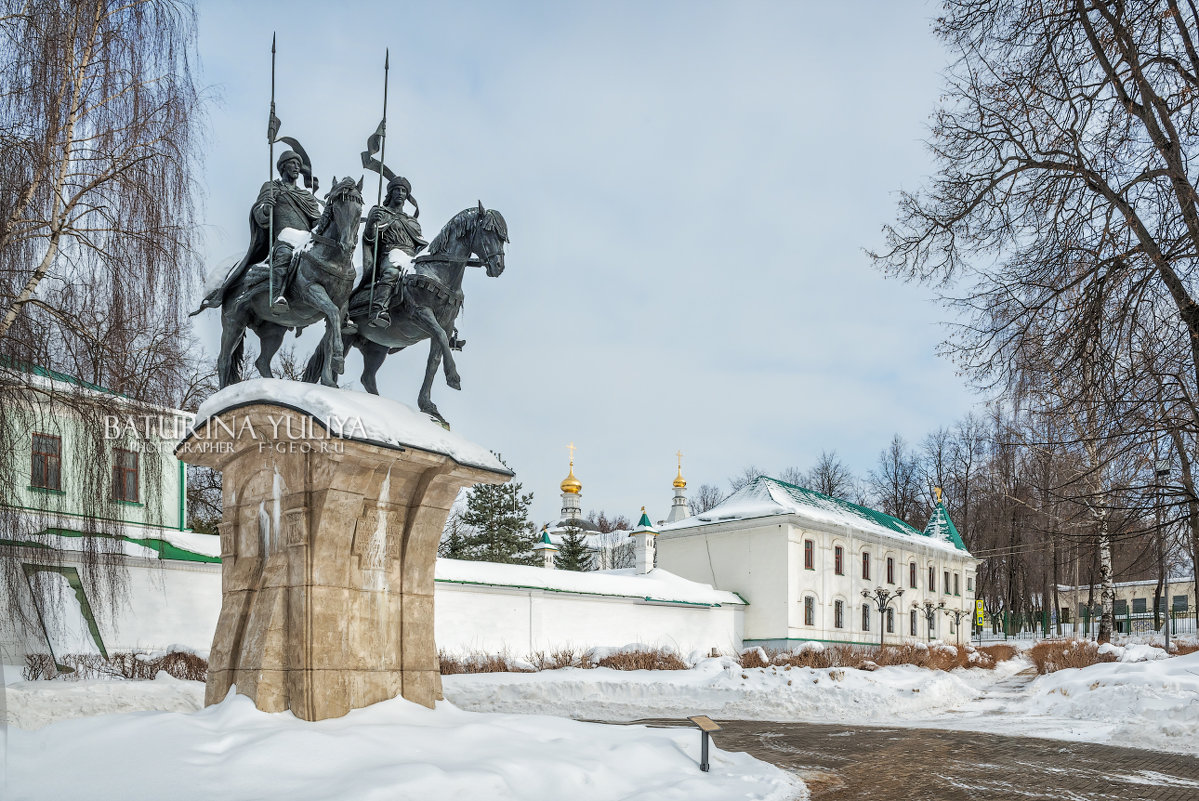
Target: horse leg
[
  {"x": 373, "y": 355},
  {"x": 270, "y": 338},
  {"x": 425, "y": 399},
  {"x": 336, "y": 364},
  {"x": 228, "y": 363},
  {"x": 427, "y": 321}
]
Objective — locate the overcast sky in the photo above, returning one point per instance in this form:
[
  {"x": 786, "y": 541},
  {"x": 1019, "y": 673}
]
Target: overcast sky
[{"x": 688, "y": 186}]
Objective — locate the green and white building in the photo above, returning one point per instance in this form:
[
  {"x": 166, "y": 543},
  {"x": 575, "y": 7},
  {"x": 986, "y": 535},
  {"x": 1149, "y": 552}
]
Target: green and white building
[
  {"x": 802, "y": 561},
  {"x": 97, "y": 483}
]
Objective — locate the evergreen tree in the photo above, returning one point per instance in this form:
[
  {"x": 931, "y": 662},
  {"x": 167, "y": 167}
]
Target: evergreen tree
[
  {"x": 573, "y": 553},
  {"x": 453, "y": 543},
  {"x": 497, "y": 526}
]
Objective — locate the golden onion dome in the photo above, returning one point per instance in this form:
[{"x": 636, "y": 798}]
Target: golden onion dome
[
  {"x": 570, "y": 483},
  {"x": 679, "y": 481}
]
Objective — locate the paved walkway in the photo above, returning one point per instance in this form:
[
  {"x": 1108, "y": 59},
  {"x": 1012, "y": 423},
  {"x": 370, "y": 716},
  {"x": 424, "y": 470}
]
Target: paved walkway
[{"x": 840, "y": 763}]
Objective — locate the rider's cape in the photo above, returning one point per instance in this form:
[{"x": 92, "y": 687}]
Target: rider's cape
[{"x": 258, "y": 251}]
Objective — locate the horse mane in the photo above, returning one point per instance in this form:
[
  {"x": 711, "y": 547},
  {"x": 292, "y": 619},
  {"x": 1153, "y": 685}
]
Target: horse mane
[{"x": 460, "y": 223}]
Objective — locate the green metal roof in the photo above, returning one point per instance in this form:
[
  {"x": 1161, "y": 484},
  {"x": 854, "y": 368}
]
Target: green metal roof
[
  {"x": 940, "y": 527},
  {"x": 807, "y": 497},
  {"x": 644, "y": 521}
]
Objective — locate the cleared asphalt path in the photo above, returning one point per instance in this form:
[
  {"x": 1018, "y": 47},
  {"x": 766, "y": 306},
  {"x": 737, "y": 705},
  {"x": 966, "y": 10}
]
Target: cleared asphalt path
[{"x": 866, "y": 762}]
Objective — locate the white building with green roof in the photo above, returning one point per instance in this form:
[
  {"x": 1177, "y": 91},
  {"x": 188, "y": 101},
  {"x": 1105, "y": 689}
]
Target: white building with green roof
[{"x": 803, "y": 560}]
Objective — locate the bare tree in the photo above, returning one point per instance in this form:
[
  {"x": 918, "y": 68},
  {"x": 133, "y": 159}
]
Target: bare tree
[
  {"x": 746, "y": 476},
  {"x": 99, "y": 148},
  {"x": 704, "y": 498},
  {"x": 894, "y": 486},
  {"x": 831, "y": 476}
]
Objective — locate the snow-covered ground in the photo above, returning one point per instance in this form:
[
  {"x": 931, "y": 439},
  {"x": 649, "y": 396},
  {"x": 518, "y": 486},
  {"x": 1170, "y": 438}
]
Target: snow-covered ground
[
  {"x": 1141, "y": 704},
  {"x": 395, "y": 749}
]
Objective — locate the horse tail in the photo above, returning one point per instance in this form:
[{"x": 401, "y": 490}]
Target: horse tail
[
  {"x": 232, "y": 372},
  {"x": 316, "y": 362}
]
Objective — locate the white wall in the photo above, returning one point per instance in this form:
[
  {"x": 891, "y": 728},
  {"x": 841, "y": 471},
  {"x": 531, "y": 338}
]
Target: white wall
[
  {"x": 524, "y": 621},
  {"x": 174, "y": 602}
]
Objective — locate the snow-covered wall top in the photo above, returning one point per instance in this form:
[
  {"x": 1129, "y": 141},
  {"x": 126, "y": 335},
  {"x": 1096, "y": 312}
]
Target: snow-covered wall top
[
  {"x": 353, "y": 415},
  {"x": 657, "y": 585},
  {"x": 766, "y": 497}
]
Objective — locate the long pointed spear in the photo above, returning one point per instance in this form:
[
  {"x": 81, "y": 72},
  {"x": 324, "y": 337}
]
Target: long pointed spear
[
  {"x": 272, "y": 128},
  {"x": 382, "y": 161}
]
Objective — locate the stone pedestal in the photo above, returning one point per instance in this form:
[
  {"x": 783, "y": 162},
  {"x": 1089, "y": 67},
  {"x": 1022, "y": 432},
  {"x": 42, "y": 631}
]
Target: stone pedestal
[{"x": 328, "y": 547}]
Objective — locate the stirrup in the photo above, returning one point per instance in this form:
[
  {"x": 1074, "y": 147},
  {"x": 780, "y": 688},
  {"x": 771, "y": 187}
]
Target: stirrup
[
  {"x": 349, "y": 327},
  {"x": 279, "y": 304},
  {"x": 381, "y": 320}
]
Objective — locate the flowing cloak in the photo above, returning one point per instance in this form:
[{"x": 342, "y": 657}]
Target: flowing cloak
[
  {"x": 396, "y": 230},
  {"x": 292, "y": 205}
]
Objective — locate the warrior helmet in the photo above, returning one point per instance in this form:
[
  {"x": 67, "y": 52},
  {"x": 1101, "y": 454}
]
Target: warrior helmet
[{"x": 400, "y": 180}]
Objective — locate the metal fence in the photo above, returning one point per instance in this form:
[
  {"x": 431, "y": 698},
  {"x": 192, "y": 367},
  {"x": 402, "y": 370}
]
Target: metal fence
[{"x": 1039, "y": 625}]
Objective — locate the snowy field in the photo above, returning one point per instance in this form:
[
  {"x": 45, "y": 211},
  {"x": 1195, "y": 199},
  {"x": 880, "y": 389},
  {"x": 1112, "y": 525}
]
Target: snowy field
[
  {"x": 507, "y": 735},
  {"x": 392, "y": 750}
]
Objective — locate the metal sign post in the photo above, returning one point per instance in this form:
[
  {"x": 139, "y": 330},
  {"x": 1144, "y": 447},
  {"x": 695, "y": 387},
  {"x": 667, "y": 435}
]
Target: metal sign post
[{"x": 706, "y": 726}]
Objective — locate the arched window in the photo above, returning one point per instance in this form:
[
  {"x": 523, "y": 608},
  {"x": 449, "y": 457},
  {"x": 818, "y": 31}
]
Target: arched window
[
  {"x": 809, "y": 555},
  {"x": 865, "y": 564},
  {"x": 839, "y": 560},
  {"x": 839, "y": 614},
  {"x": 912, "y": 575},
  {"x": 809, "y": 611},
  {"x": 865, "y": 617},
  {"x": 890, "y": 620},
  {"x": 890, "y": 570},
  {"x": 913, "y": 620}
]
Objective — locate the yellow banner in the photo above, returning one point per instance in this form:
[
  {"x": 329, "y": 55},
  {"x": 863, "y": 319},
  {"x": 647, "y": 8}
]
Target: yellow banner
[{"x": 978, "y": 612}]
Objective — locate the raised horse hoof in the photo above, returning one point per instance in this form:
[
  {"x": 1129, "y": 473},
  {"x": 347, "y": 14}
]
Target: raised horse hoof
[{"x": 339, "y": 365}]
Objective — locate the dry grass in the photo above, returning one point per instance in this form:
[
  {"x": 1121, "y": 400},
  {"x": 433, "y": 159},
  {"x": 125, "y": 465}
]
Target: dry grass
[
  {"x": 643, "y": 660},
  {"x": 479, "y": 662},
  {"x": 1052, "y": 655},
  {"x": 125, "y": 665},
  {"x": 1182, "y": 650},
  {"x": 860, "y": 657}
]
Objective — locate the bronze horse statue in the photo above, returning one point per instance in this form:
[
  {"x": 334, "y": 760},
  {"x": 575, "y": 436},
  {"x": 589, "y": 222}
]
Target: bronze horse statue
[
  {"x": 323, "y": 277},
  {"x": 428, "y": 304}
]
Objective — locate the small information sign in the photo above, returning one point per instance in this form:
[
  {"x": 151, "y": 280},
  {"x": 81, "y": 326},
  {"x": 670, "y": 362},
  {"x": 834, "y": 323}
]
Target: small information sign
[{"x": 978, "y": 612}]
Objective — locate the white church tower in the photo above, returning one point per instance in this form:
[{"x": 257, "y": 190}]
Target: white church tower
[
  {"x": 572, "y": 508},
  {"x": 679, "y": 509}
]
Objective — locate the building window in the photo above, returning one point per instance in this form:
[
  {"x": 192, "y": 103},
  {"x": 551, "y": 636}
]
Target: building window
[
  {"x": 809, "y": 555},
  {"x": 912, "y": 575},
  {"x": 124, "y": 475},
  {"x": 932, "y": 579},
  {"x": 957, "y": 583},
  {"x": 46, "y": 470},
  {"x": 865, "y": 565},
  {"x": 890, "y": 570},
  {"x": 913, "y": 622},
  {"x": 1181, "y": 603},
  {"x": 839, "y": 614},
  {"x": 865, "y": 617},
  {"x": 890, "y": 620},
  {"x": 951, "y": 629},
  {"x": 809, "y": 611},
  {"x": 945, "y": 586},
  {"x": 839, "y": 561},
  {"x": 969, "y": 583},
  {"x": 1140, "y": 605}
]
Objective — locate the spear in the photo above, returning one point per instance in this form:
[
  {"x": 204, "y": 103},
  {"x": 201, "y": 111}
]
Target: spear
[
  {"x": 272, "y": 128},
  {"x": 382, "y": 161}
]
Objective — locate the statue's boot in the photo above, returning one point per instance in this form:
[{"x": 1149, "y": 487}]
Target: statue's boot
[{"x": 380, "y": 316}]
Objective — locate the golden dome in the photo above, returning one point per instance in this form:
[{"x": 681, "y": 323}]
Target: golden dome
[
  {"x": 679, "y": 481},
  {"x": 570, "y": 483}
]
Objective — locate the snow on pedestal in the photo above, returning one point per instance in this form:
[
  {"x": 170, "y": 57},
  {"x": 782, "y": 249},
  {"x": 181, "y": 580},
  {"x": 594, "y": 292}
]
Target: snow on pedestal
[{"x": 334, "y": 502}]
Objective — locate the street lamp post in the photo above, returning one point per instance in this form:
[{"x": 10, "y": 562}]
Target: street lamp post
[
  {"x": 957, "y": 615},
  {"x": 930, "y": 614},
  {"x": 882, "y": 598}
]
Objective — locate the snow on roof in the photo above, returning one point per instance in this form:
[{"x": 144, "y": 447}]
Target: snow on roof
[
  {"x": 656, "y": 585},
  {"x": 353, "y": 415},
  {"x": 766, "y": 497}
]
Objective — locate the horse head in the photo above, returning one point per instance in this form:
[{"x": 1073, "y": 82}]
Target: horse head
[
  {"x": 491, "y": 232},
  {"x": 345, "y": 199}
]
